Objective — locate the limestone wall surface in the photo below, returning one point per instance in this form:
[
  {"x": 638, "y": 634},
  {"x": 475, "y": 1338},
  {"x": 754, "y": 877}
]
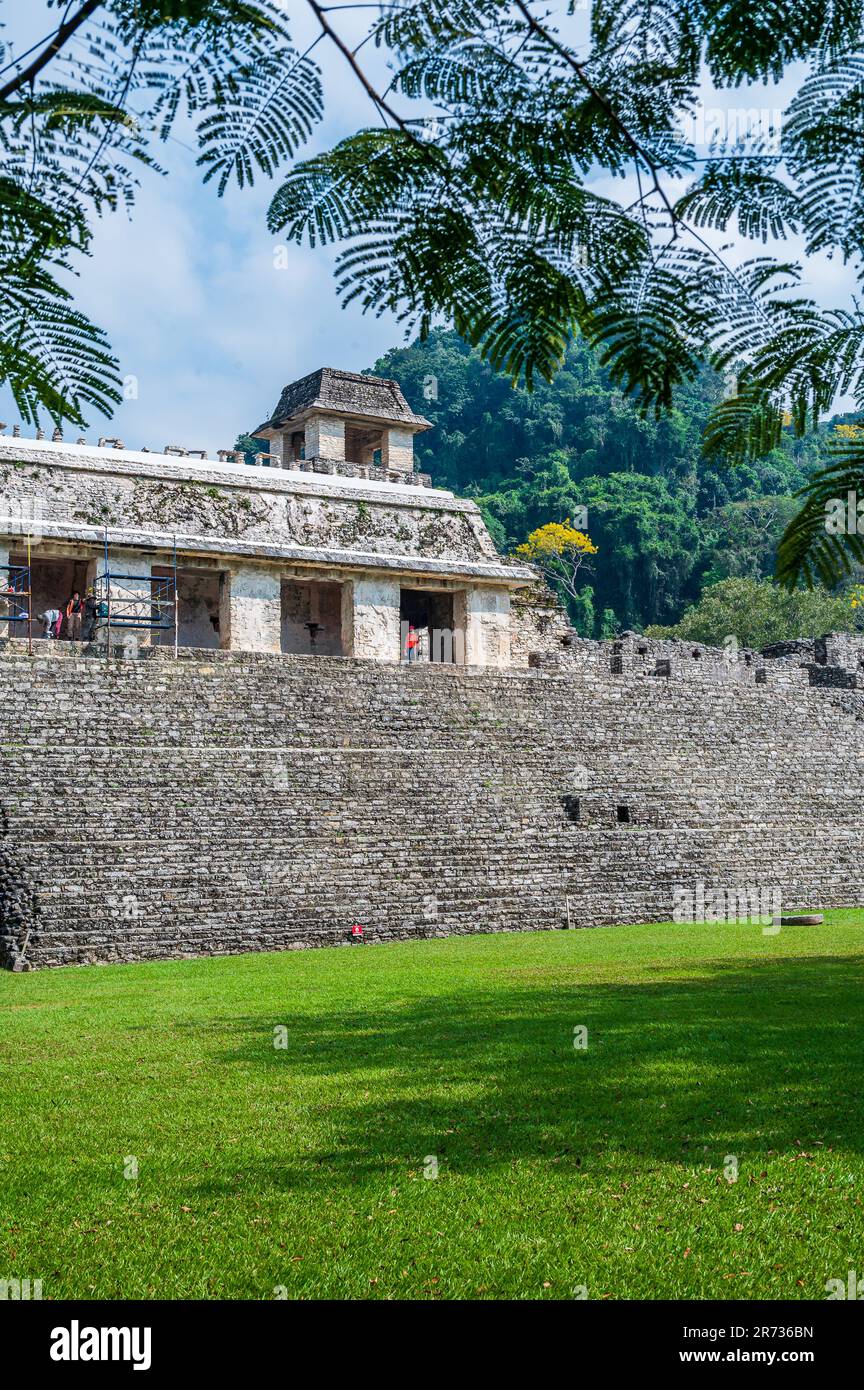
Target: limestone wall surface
[
  {"x": 538, "y": 623},
  {"x": 225, "y": 802},
  {"x": 62, "y": 491}
]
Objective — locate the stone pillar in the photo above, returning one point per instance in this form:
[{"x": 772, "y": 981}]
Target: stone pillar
[
  {"x": 325, "y": 438},
  {"x": 278, "y": 451},
  {"x": 483, "y": 614},
  {"x": 370, "y": 619},
  {"x": 250, "y": 610},
  {"x": 397, "y": 450},
  {"x": 131, "y": 595}
]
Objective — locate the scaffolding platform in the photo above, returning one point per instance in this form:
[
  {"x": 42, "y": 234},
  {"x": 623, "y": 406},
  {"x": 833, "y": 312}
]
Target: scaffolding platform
[
  {"x": 16, "y": 598},
  {"x": 15, "y": 593},
  {"x": 149, "y": 604},
  {"x": 135, "y": 602}
]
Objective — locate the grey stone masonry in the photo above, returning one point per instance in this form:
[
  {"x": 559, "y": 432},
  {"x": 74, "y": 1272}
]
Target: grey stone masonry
[
  {"x": 226, "y": 802},
  {"x": 837, "y": 676},
  {"x": 112, "y": 524},
  {"x": 844, "y": 649},
  {"x": 343, "y": 417},
  {"x": 345, "y": 393},
  {"x": 802, "y": 649},
  {"x": 65, "y": 491},
  {"x": 841, "y": 649}
]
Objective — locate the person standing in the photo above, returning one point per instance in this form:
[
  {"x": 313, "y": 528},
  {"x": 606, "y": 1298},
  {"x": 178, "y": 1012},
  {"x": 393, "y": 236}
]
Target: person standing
[
  {"x": 90, "y": 617},
  {"x": 74, "y": 615}
]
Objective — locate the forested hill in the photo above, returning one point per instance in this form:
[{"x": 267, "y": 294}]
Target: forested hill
[{"x": 666, "y": 523}]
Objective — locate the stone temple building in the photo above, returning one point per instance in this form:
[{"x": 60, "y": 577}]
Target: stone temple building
[
  {"x": 332, "y": 545},
  {"x": 257, "y": 766}
]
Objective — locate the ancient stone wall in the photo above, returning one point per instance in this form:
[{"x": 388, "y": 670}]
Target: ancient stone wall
[
  {"x": 841, "y": 649},
  {"x": 538, "y": 623},
  {"x": 59, "y": 490},
  {"x": 227, "y": 802},
  {"x": 801, "y": 649},
  {"x": 844, "y": 649}
]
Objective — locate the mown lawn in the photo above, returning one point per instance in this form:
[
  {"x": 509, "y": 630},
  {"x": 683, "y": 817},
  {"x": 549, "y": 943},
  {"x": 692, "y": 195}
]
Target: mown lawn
[{"x": 302, "y": 1168}]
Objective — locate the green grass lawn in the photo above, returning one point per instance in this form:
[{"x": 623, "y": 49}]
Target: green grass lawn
[{"x": 304, "y": 1166}]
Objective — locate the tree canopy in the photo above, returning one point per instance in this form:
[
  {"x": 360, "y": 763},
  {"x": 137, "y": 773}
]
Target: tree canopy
[
  {"x": 757, "y": 612},
  {"x": 667, "y": 521},
  {"x": 490, "y": 214},
  {"x": 80, "y": 115},
  {"x": 474, "y": 195}
]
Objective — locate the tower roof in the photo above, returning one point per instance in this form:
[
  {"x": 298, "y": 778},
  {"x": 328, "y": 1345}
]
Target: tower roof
[{"x": 344, "y": 393}]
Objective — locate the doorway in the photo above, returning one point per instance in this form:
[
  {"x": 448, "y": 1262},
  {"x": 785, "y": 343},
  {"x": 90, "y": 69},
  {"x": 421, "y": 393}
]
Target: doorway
[
  {"x": 427, "y": 626},
  {"x": 311, "y": 618},
  {"x": 197, "y": 608}
]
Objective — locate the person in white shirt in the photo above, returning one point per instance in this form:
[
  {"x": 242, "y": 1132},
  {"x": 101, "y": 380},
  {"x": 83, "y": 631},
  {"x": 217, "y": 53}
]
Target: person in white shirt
[{"x": 49, "y": 620}]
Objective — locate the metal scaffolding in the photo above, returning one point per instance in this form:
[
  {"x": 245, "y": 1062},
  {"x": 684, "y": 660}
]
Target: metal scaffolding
[
  {"x": 136, "y": 601},
  {"x": 16, "y": 597}
]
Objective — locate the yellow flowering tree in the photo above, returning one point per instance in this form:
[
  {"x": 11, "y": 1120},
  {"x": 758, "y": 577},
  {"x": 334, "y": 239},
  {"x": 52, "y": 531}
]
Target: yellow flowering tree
[
  {"x": 560, "y": 552},
  {"x": 856, "y": 603}
]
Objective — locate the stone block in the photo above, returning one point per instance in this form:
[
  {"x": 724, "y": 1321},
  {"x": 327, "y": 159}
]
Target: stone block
[
  {"x": 370, "y": 619},
  {"x": 250, "y": 618}
]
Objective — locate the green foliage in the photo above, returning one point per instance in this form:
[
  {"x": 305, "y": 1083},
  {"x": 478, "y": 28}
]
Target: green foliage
[
  {"x": 250, "y": 447},
  {"x": 75, "y": 141},
  {"x": 483, "y": 214},
  {"x": 665, "y": 519},
  {"x": 744, "y": 536},
  {"x": 808, "y": 547},
  {"x": 481, "y": 205},
  {"x": 757, "y": 612},
  {"x": 581, "y": 611}
]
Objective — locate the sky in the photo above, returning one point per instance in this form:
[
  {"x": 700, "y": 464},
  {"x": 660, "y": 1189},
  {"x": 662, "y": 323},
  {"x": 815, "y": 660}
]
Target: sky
[{"x": 206, "y": 319}]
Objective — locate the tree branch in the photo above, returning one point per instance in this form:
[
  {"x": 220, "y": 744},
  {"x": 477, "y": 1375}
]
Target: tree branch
[
  {"x": 374, "y": 96},
  {"x": 65, "y": 32},
  {"x": 636, "y": 149}
]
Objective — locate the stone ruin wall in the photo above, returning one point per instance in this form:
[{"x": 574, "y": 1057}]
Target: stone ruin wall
[
  {"x": 229, "y": 802},
  {"x": 845, "y": 649},
  {"x": 280, "y": 511},
  {"x": 538, "y": 623}
]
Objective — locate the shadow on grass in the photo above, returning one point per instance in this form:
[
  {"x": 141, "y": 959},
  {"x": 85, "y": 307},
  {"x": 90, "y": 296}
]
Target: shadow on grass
[{"x": 739, "y": 1061}]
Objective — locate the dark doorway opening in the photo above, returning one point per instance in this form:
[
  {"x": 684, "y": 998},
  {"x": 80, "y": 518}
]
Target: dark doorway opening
[
  {"x": 572, "y": 808},
  {"x": 426, "y": 619},
  {"x": 53, "y": 582},
  {"x": 311, "y": 618},
  {"x": 197, "y": 608}
]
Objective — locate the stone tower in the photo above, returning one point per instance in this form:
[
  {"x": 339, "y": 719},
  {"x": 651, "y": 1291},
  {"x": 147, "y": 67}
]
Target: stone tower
[{"x": 341, "y": 417}]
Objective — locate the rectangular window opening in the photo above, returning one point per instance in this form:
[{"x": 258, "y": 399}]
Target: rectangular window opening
[{"x": 572, "y": 808}]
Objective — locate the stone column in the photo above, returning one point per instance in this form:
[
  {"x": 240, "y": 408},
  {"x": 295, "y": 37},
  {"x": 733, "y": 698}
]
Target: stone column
[
  {"x": 325, "y": 438},
  {"x": 483, "y": 614},
  {"x": 397, "y": 450},
  {"x": 370, "y": 619},
  {"x": 8, "y": 629},
  {"x": 250, "y": 610}
]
